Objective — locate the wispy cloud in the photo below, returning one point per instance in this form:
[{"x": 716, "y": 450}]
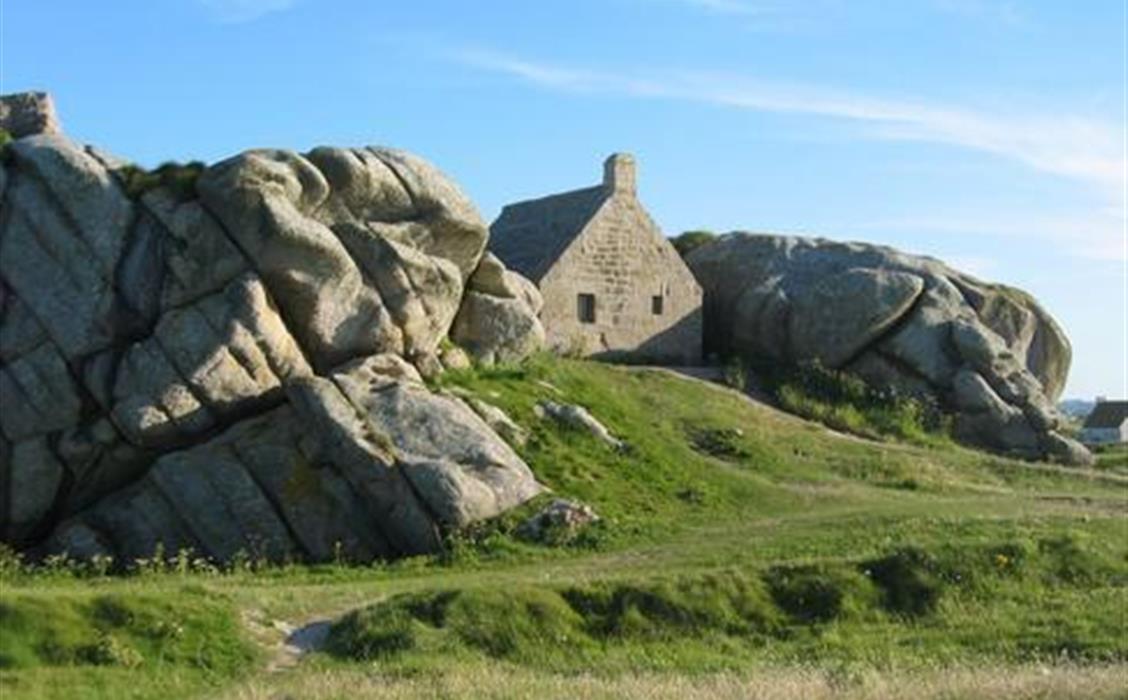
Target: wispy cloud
[
  {"x": 1093, "y": 235},
  {"x": 237, "y": 11},
  {"x": 1084, "y": 150}
]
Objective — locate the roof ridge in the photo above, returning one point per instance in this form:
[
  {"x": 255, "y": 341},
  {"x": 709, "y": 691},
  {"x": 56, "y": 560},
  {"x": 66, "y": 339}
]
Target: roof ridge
[
  {"x": 557, "y": 195},
  {"x": 530, "y": 235}
]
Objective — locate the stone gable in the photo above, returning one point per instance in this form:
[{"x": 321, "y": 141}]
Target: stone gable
[{"x": 646, "y": 301}]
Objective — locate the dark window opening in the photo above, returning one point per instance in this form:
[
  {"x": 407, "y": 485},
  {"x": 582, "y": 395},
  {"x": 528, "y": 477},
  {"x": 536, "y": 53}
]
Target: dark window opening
[
  {"x": 586, "y": 308},
  {"x": 656, "y": 305}
]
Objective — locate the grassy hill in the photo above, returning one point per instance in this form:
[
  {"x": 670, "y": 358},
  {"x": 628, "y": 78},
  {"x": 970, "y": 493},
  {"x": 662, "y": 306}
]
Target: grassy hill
[{"x": 742, "y": 551}]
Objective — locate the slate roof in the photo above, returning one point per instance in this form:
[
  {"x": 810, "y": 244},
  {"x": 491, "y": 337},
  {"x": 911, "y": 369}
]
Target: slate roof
[
  {"x": 1107, "y": 414},
  {"x": 529, "y": 236}
]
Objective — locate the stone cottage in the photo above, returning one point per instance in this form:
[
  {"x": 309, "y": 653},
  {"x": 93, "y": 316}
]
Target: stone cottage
[
  {"x": 612, "y": 284},
  {"x": 1107, "y": 424}
]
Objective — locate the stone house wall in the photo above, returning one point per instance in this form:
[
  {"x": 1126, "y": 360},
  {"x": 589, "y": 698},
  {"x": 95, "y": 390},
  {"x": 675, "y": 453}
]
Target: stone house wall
[
  {"x": 623, "y": 260},
  {"x": 1104, "y": 436}
]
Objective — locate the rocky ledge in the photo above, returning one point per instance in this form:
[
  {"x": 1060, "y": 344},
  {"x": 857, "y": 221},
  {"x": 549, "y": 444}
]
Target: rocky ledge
[
  {"x": 988, "y": 353},
  {"x": 231, "y": 358}
]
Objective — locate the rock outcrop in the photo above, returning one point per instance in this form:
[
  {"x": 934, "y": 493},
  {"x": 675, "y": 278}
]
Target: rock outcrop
[
  {"x": 27, "y": 113},
  {"x": 498, "y": 319},
  {"x": 233, "y": 365},
  {"x": 990, "y": 354}
]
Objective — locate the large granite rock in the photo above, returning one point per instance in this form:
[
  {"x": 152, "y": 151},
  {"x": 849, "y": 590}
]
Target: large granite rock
[
  {"x": 229, "y": 364},
  {"x": 27, "y": 114},
  {"x": 987, "y": 352},
  {"x": 498, "y": 320}
]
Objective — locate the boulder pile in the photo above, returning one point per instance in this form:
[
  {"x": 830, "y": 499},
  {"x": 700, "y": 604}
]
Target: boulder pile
[
  {"x": 228, "y": 358},
  {"x": 988, "y": 353}
]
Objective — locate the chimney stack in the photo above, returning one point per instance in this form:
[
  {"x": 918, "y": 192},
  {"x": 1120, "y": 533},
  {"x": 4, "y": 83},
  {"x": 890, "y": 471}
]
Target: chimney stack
[{"x": 619, "y": 173}]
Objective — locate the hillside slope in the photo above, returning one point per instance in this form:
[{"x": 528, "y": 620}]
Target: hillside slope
[{"x": 736, "y": 540}]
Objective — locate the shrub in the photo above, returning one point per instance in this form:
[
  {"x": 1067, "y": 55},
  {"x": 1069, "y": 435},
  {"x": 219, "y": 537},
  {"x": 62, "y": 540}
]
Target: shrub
[
  {"x": 722, "y": 443},
  {"x": 847, "y": 403},
  {"x": 726, "y": 602},
  {"x": 908, "y": 580},
  {"x": 689, "y": 241},
  {"x": 178, "y": 178},
  {"x": 1067, "y": 560},
  {"x": 505, "y": 622},
  {"x": 815, "y": 594},
  {"x": 734, "y": 374},
  {"x": 372, "y": 633}
]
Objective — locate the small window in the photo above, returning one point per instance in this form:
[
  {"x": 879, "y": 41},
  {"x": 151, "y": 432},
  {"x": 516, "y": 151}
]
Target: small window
[
  {"x": 586, "y": 308},
  {"x": 656, "y": 305}
]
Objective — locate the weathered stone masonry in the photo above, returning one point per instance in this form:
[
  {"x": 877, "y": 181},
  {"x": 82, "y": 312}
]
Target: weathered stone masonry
[{"x": 611, "y": 281}]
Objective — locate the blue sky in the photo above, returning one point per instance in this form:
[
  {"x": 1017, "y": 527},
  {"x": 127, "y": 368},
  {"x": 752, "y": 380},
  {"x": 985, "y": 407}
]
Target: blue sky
[{"x": 989, "y": 133}]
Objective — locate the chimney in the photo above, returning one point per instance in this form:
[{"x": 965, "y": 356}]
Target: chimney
[{"x": 619, "y": 173}]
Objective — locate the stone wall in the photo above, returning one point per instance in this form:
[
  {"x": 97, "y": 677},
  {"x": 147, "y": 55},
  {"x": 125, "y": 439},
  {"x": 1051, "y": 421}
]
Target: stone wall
[{"x": 622, "y": 259}]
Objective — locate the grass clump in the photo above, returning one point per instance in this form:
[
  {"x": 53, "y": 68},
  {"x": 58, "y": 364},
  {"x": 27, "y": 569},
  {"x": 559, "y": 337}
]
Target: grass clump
[
  {"x": 563, "y": 627},
  {"x": 373, "y": 633},
  {"x": 690, "y": 241},
  {"x": 177, "y": 178},
  {"x": 721, "y": 442},
  {"x": 729, "y": 602},
  {"x": 126, "y": 630},
  {"x": 514, "y": 623},
  {"x": 818, "y": 594},
  {"x": 908, "y": 580},
  {"x": 1067, "y": 560},
  {"x": 520, "y": 623},
  {"x": 1113, "y": 458},
  {"x": 844, "y": 402}
]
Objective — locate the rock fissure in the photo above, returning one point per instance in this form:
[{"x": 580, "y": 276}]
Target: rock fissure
[
  {"x": 891, "y": 330},
  {"x": 272, "y": 500}
]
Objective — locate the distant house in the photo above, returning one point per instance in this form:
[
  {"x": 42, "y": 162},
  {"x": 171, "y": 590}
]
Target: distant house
[
  {"x": 1106, "y": 424},
  {"x": 612, "y": 284}
]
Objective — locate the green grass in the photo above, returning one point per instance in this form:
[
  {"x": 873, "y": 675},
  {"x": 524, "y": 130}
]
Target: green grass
[
  {"x": 1112, "y": 458},
  {"x": 178, "y": 178},
  {"x": 844, "y": 402},
  {"x": 689, "y": 241},
  {"x": 833, "y": 612},
  {"x": 66, "y": 645},
  {"x": 736, "y": 540}
]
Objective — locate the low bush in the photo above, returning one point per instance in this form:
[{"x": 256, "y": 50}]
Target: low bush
[
  {"x": 727, "y": 602},
  {"x": 1067, "y": 560},
  {"x": 722, "y": 443},
  {"x": 815, "y": 594},
  {"x": 178, "y": 178},
  {"x": 909, "y": 581},
  {"x": 373, "y": 632},
  {"x": 847, "y": 403},
  {"x": 123, "y": 629},
  {"x": 690, "y": 241}
]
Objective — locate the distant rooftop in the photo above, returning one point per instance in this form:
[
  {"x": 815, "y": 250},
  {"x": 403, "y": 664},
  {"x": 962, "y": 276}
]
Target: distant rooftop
[{"x": 1107, "y": 414}]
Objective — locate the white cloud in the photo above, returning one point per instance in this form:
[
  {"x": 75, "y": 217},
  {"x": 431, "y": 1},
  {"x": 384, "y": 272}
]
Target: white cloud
[
  {"x": 1081, "y": 149},
  {"x": 1093, "y": 235},
  {"x": 237, "y": 11}
]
